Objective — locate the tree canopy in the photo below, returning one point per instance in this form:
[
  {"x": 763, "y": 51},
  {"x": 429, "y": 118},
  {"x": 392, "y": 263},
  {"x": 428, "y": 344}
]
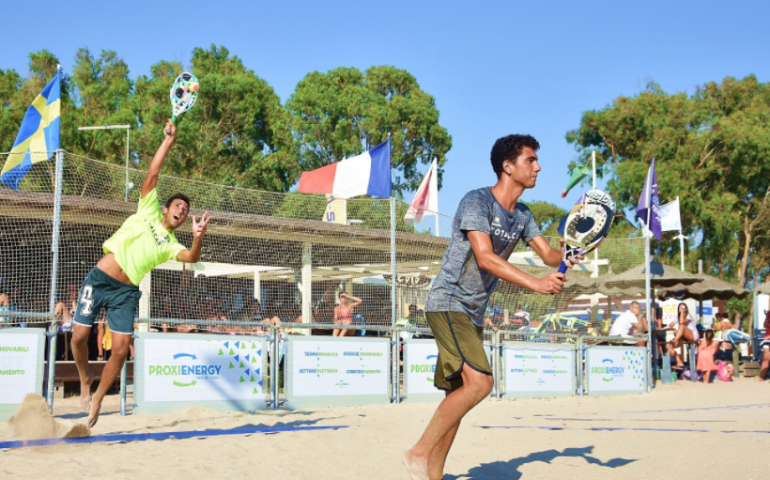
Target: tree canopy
[
  {"x": 711, "y": 151},
  {"x": 239, "y": 133},
  {"x": 341, "y": 113}
]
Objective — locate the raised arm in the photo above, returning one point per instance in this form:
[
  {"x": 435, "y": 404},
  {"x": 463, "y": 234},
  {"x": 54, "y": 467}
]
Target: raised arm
[
  {"x": 355, "y": 300},
  {"x": 151, "y": 180},
  {"x": 490, "y": 262}
]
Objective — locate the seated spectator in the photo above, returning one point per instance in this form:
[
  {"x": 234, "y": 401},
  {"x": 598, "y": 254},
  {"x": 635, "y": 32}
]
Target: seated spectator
[
  {"x": 421, "y": 321},
  {"x": 731, "y": 335},
  {"x": 685, "y": 331},
  {"x": 297, "y": 314},
  {"x": 103, "y": 338},
  {"x": 764, "y": 347},
  {"x": 706, "y": 350},
  {"x": 63, "y": 318},
  {"x": 19, "y": 302},
  {"x": 520, "y": 316},
  {"x": 629, "y": 323},
  {"x": 494, "y": 315},
  {"x": 272, "y": 315},
  {"x": 210, "y": 313},
  {"x": 5, "y": 306},
  {"x": 343, "y": 314}
]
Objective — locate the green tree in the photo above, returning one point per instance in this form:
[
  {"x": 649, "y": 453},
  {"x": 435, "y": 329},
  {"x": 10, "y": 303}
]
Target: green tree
[
  {"x": 711, "y": 149},
  {"x": 103, "y": 93},
  {"x": 10, "y": 84},
  {"x": 339, "y": 114},
  {"x": 237, "y": 134},
  {"x": 548, "y": 216}
]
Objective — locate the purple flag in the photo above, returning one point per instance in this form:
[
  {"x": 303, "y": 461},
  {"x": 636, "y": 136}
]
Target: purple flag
[{"x": 649, "y": 202}]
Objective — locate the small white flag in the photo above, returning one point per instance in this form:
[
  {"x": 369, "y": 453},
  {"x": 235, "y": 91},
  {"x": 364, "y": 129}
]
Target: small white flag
[
  {"x": 670, "y": 219},
  {"x": 426, "y": 198}
]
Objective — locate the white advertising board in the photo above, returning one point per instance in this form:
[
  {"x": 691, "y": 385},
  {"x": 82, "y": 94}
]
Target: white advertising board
[
  {"x": 21, "y": 366},
  {"x": 542, "y": 370},
  {"x": 420, "y": 369},
  {"x": 707, "y": 315},
  {"x": 219, "y": 371},
  {"x": 616, "y": 369},
  {"x": 337, "y": 371}
]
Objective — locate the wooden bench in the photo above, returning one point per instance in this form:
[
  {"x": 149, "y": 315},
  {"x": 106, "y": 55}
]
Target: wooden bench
[{"x": 67, "y": 372}]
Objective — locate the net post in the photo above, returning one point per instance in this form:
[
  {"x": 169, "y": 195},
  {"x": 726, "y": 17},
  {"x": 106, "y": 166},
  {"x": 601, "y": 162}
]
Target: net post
[
  {"x": 307, "y": 285},
  {"x": 128, "y": 133},
  {"x": 123, "y": 378},
  {"x": 274, "y": 365},
  {"x": 393, "y": 261},
  {"x": 54, "y": 274},
  {"x": 496, "y": 364},
  {"x": 393, "y": 305},
  {"x": 394, "y": 351},
  {"x": 579, "y": 373},
  {"x": 648, "y": 298}
]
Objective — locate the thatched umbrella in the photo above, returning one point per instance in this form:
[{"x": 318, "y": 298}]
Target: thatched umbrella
[
  {"x": 764, "y": 288},
  {"x": 633, "y": 281},
  {"x": 709, "y": 288}
]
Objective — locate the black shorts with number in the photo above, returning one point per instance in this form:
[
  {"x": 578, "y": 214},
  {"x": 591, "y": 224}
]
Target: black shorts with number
[{"x": 119, "y": 299}]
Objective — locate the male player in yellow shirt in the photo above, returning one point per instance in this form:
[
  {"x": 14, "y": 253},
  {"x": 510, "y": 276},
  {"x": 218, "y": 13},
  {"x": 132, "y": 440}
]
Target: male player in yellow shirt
[{"x": 144, "y": 241}]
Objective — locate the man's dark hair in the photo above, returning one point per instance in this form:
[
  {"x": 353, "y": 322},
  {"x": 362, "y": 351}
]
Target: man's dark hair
[
  {"x": 510, "y": 147},
  {"x": 180, "y": 196}
]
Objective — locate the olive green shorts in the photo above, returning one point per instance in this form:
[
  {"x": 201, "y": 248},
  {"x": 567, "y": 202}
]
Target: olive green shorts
[{"x": 459, "y": 342}]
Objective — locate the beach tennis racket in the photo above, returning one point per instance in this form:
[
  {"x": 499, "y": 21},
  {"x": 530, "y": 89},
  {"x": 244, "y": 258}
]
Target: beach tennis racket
[
  {"x": 587, "y": 224},
  {"x": 184, "y": 94}
]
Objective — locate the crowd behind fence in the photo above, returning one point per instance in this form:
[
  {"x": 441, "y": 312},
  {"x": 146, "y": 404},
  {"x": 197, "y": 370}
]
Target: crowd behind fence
[
  {"x": 265, "y": 252},
  {"x": 267, "y": 258}
]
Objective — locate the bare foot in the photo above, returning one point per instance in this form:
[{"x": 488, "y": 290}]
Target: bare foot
[
  {"x": 85, "y": 393},
  {"x": 413, "y": 468},
  {"x": 93, "y": 417}
]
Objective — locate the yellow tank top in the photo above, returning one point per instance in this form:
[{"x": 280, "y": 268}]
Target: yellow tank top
[{"x": 142, "y": 243}]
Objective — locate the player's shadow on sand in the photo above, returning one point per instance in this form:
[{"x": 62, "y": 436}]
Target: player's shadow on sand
[{"x": 510, "y": 470}]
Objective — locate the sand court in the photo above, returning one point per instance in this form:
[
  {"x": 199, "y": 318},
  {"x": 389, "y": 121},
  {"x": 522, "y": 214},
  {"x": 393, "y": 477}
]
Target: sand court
[{"x": 685, "y": 430}]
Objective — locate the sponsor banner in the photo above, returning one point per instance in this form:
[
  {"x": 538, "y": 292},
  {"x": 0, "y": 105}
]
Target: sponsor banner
[
  {"x": 420, "y": 367},
  {"x": 323, "y": 368},
  {"x": 20, "y": 365},
  {"x": 616, "y": 369},
  {"x": 534, "y": 370},
  {"x": 707, "y": 315},
  {"x": 194, "y": 368}
]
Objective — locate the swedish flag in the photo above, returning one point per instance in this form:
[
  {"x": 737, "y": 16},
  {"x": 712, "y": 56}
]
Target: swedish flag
[{"x": 39, "y": 133}]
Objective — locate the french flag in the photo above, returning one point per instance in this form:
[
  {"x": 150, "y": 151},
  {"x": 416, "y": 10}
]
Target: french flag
[{"x": 365, "y": 174}]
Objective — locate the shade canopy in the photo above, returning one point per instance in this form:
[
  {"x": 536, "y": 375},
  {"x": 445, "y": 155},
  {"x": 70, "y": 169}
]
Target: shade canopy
[
  {"x": 710, "y": 288},
  {"x": 633, "y": 281}
]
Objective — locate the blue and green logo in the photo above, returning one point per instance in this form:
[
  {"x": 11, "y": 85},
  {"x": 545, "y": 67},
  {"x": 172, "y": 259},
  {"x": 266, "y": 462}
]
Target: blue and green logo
[
  {"x": 189, "y": 371},
  {"x": 429, "y": 367}
]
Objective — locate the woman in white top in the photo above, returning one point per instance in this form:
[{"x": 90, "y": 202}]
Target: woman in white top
[{"x": 685, "y": 331}]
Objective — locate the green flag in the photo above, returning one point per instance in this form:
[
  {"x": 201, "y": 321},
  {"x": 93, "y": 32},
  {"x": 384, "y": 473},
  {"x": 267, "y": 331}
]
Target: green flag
[{"x": 579, "y": 173}]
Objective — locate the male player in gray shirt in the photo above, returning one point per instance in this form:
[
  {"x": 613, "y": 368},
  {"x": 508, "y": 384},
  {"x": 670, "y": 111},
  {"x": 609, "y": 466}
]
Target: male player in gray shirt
[{"x": 487, "y": 226}]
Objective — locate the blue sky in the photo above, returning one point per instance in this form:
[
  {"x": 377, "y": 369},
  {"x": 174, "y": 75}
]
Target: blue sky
[{"x": 494, "y": 68}]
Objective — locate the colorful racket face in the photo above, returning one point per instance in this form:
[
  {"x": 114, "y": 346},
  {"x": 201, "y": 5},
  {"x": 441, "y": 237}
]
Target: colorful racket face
[
  {"x": 184, "y": 93},
  {"x": 588, "y": 224}
]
